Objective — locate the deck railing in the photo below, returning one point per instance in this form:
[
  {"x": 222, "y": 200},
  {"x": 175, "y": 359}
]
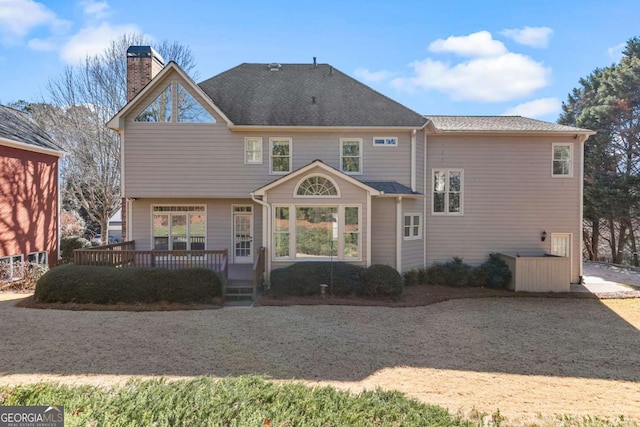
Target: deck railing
[
  {"x": 125, "y": 255},
  {"x": 259, "y": 267}
]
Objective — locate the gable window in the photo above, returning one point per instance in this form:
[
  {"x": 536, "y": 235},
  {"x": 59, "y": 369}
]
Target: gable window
[
  {"x": 253, "y": 151},
  {"x": 280, "y": 155},
  {"x": 190, "y": 110},
  {"x": 317, "y": 185},
  {"x": 385, "y": 141},
  {"x": 182, "y": 108},
  {"x": 447, "y": 191},
  {"x": 178, "y": 228},
  {"x": 351, "y": 156},
  {"x": 11, "y": 268},
  {"x": 412, "y": 226},
  {"x": 562, "y": 154},
  {"x": 159, "y": 110}
]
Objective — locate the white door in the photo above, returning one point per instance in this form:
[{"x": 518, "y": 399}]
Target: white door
[
  {"x": 561, "y": 244},
  {"x": 242, "y": 234}
]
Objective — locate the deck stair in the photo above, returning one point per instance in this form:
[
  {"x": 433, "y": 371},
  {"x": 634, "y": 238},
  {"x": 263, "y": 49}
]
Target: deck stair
[{"x": 239, "y": 289}]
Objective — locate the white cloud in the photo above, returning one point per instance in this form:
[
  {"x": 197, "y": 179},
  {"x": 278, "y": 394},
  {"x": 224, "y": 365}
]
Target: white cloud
[
  {"x": 474, "y": 45},
  {"x": 536, "y": 108},
  {"x": 43, "y": 45},
  {"x": 19, "y": 17},
  {"x": 372, "y": 76},
  {"x": 615, "y": 52},
  {"x": 529, "y": 36},
  {"x": 94, "y": 9},
  {"x": 491, "y": 79},
  {"x": 93, "y": 40}
]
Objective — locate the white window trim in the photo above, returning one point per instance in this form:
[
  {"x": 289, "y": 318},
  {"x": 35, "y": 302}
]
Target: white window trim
[
  {"x": 446, "y": 192},
  {"x": 205, "y": 213},
  {"x": 46, "y": 256},
  {"x": 13, "y": 278},
  {"x": 553, "y": 150},
  {"x": 412, "y": 226},
  {"x": 385, "y": 138},
  {"x": 297, "y": 196},
  {"x": 359, "y": 141},
  {"x": 570, "y": 235},
  {"x": 292, "y": 232},
  {"x": 257, "y": 139},
  {"x": 280, "y": 139}
]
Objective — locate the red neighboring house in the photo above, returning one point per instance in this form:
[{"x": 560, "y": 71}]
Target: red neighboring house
[{"x": 29, "y": 194}]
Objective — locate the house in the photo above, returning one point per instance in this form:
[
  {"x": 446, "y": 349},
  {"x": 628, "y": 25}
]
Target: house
[
  {"x": 311, "y": 164},
  {"x": 114, "y": 227},
  {"x": 29, "y": 194}
]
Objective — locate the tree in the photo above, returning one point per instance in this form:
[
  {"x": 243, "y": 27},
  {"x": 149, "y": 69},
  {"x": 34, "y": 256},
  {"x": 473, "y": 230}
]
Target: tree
[
  {"x": 81, "y": 101},
  {"x": 608, "y": 101}
]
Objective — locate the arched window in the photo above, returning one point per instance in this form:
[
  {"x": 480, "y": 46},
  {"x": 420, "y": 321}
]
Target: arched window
[{"x": 317, "y": 185}]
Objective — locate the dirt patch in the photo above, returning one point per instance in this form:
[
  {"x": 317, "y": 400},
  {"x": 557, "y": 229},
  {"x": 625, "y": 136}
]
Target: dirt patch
[{"x": 30, "y": 302}]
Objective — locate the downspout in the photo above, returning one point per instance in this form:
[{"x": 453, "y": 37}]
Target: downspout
[
  {"x": 413, "y": 160},
  {"x": 266, "y": 231},
  {"x": 424, "y": 221},
  {"x": 369, "y": 228},
  {"x": 399, "y": 234},
  {"x": 583, "y": 139}
]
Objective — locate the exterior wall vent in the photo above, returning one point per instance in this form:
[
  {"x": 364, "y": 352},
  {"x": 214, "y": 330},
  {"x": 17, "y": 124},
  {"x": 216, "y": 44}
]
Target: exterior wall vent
[{"x": 274, "y": 66}]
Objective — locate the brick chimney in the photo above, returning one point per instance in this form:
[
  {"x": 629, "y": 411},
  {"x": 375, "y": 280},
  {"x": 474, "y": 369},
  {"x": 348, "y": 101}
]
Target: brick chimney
[{"x": 143, "y": 64}]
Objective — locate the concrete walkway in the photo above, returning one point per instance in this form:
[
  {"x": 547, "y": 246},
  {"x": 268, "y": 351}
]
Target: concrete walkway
[{"x": 600, "y": 278}]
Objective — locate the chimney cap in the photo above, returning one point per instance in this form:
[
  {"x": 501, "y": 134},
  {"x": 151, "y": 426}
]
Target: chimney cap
[{"x": 142, "y": 52}]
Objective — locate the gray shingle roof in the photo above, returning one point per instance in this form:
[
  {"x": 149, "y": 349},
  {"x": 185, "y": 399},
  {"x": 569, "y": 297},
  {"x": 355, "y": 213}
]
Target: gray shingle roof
[
  {"x": 390, "y": 187},
  {"x": 18, "y": 126},
  {"x": 303, "y": 95},
  {"x": 497, "y": 124}
]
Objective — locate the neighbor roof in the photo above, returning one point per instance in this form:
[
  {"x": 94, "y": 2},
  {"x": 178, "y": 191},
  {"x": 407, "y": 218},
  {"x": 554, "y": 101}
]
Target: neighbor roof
[
  {"x": 17, "y": 126},
  {"x": 303, "y": 95},
  {"x": 499, "y": 124}
]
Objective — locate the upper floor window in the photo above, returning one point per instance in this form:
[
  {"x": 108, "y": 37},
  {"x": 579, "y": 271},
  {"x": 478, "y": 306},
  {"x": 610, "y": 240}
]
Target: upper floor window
[
  {"x": 317, "y": 185},
  {"x": 183, "y": 108},
  {"x": 562, "y": 156},
  {"x": 385, "y": 141},
  {"x": 280, "y": 155},
  {"x": 447, "y": 191},
  {"x": 253, "y": 151},
  {"x": 351, "y": 156}
]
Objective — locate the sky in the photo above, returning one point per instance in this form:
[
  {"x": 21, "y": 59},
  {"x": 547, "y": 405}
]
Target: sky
[{"x": 455, "y": 57}]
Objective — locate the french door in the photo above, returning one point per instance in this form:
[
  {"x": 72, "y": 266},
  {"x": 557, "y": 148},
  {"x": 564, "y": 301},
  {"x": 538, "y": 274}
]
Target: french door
[{"x": 242, "y": 234}]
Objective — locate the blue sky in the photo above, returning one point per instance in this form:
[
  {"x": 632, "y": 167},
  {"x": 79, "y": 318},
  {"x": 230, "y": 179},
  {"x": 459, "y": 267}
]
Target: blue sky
[{"x": 437, "y": 57}]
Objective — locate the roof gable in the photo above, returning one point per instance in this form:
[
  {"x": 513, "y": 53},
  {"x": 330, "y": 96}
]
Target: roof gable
[
  {"x": 18, "y": 129},
  {"x": 303, "y": 95}
]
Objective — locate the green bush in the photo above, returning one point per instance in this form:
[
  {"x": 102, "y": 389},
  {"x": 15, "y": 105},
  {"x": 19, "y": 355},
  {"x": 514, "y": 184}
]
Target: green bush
[
  {"x": 305, "y": 278},
  {"x": 493, "y": 273},
  {"x": 452, "y": 273},
  {"x": 108, "y": 285},
  {"x": 411, "y": 277},
  {"x": 68, "y": 244},
  {"x": 382, "y": 280}
]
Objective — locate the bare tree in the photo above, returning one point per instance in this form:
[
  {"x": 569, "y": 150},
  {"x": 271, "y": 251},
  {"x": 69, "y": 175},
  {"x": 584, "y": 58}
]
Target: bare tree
[{"x": 81, "y": 101}]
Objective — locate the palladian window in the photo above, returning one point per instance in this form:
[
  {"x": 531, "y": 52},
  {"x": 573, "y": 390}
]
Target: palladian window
[{"x": 317, "y": 185}]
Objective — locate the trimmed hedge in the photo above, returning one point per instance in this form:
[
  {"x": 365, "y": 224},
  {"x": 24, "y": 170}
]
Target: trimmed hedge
[
  {"x": 68, "y": 244},
  {"x": 493, "y": 273},
  {"x": 305, "y": 278},
  {"x": 109, "y": 285}
]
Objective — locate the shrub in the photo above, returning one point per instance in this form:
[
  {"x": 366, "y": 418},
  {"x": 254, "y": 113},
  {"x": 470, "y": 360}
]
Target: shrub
[
  {"x": 452, "y": 273},
  {"x": 67, "y": 246},
  {"x": 108, "y": 285},
  {"x": 411, "y": 278},
  {"x": 382, "y": 280},
  {"x": 493, "y": 273},
  {"x": 305, "y": 278}
]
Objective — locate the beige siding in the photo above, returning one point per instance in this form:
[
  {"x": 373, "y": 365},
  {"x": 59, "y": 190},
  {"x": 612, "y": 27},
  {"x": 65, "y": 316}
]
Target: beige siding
[
  {"x": 539, "y": 274},
  {"x": 383, "y": 231},
  {"x": 412, "y": 250},
  {"x": 219, "y": 221},
  {"x": 509, "y": 198}
]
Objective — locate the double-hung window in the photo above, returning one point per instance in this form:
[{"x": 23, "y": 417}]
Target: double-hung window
[
  {"x": 562, "y": 155},
  {"x": 253, "y": 151},
  {"x": 351, "y": 156},
  {"x": 447, "y": 191},
  {"x": 412, "y": 226},
  {"x": 280, "y": 155}
]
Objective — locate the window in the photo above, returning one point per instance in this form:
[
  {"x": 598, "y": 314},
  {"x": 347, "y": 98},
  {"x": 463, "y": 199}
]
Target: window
[
  {"x": 351, "y": 156},
  {"x": 447, "y": 191},
  {"x": 281, "y": 232},
  {"x": 183, "y": 109},
  {"x": 385, "y": 141},
  {"x": 412, "y": 226},
  {"x": 562, "y": 154},
  {"x": 315, "y": 186},
  {"x": 178, "y": 228},
  {"x": 312, "y": 232},
  {"x": 37, "y": 257},
  {"x": 159, "y": 110},
  {"x": 280, "y": 155},
  {"x": 190, "y": 110},
  {"x": 253, "y": 151},
  {"x": 11, "y": 268}
]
